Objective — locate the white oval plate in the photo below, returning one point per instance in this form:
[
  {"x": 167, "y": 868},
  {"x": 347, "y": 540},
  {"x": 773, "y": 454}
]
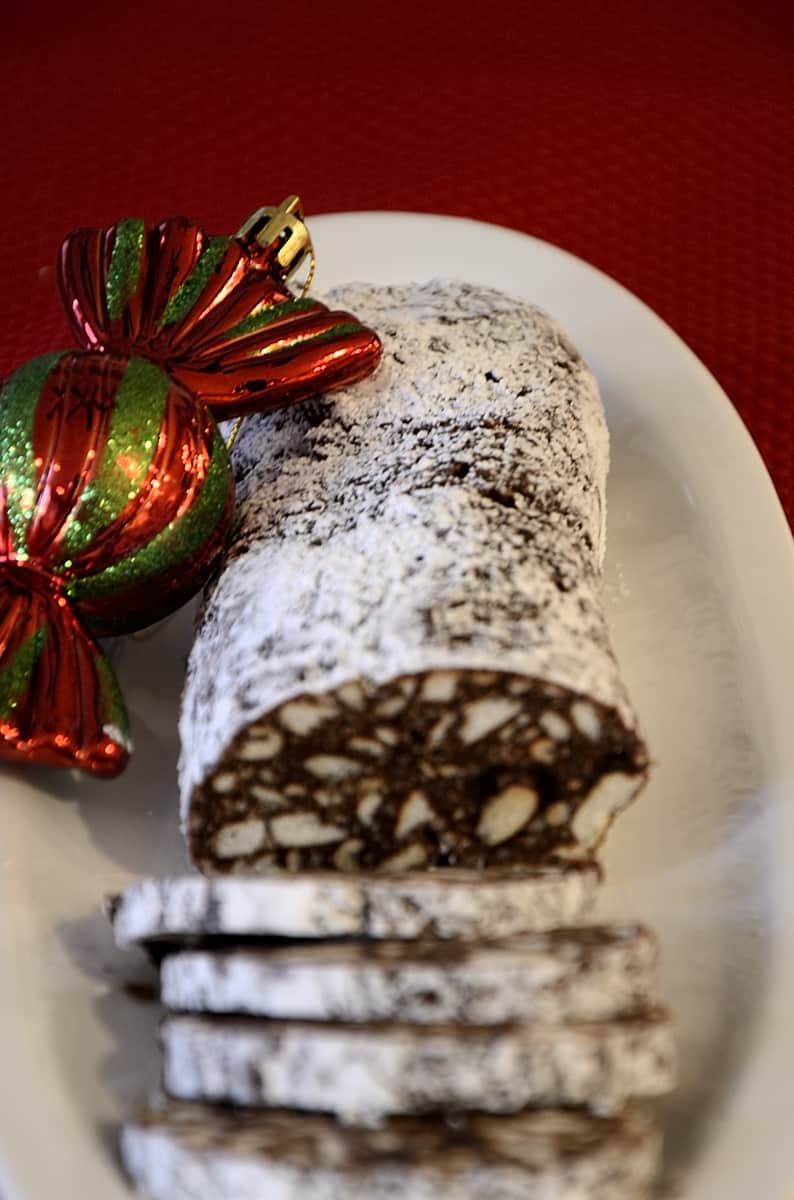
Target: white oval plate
[{"x": 701, "y": 592}]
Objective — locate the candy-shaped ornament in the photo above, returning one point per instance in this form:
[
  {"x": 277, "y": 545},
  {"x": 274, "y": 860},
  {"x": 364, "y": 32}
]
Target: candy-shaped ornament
[
  {"x": 115, "y": 487},
  {"x": 216, "y": 312},
  {"x": 115, "y": 499}
]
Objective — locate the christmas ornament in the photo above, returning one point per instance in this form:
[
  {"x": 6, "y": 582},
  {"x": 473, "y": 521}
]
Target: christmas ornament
[
  {"x": 115, "y": 498},
  {"x": 115, "y": 487},
  {"x": 215, "y": 312}
]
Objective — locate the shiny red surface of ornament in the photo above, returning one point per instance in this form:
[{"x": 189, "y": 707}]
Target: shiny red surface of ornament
[
  {"x": 115, "y": 499},
  {"x": 215, "y": 312},
  {"x": 119, "y": 484},
  {"x": 59, "y": 702}
]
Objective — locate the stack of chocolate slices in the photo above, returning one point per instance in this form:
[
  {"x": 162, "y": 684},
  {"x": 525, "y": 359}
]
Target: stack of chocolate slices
[
  {"x": 405, "y": 736},
  {"x": 449, "y": 1033}
]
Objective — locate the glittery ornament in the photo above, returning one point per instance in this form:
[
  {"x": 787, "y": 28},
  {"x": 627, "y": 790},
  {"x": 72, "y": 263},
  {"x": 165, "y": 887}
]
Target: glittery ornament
[
  {"x": 115, "y": 487},
  {"x": 215, "y": 312},
  {"x": 115, "y": 498}
]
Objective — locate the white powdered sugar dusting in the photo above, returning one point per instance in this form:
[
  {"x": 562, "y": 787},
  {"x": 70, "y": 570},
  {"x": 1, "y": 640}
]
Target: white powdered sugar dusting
[
  {"x": 198, "y": 1152},
  {"x": 446, "y": 905},
  {"x": 384, "y": 1069},
  {"x": 584, "y": 975}
]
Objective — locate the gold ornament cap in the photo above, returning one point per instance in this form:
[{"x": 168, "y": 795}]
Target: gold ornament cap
[{"x": 286, "y": 227}]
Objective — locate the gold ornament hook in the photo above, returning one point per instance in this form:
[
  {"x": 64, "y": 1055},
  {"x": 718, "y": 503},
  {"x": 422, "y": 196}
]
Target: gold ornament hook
[{"x": 284, "y": 224}]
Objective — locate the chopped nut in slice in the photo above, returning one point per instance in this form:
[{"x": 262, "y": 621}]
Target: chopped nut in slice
[
  {"x": 557, "y": 814},
  {"x": 555, "y": 726},
  {"x": 367, "y": 806},
  {"x": 415, "y": 812},
  {"x": 609, "y": 796},
  {"x": 544, "y": 750},
  {"x": 352, "y": 695},
  {"x": 302, "y": 716},
  {"x": 267, "y": 796},
  {"x": 366, "y": 745},
  {"x": 303, "y": 829},
  {"x": 391, "y": 707},
  {"x": 262, "y": 747},
  {"x": 405, "y": 860},
  {"x": 482, "y": 716},
  {"x": 346, "y": 857},
  {"x": 506, "y": 813},
  {"x": 240, "y": 837},
  {"x": 224, "y": 782},
  {"x": 332, "y": 766},
  {"x": 441, "y": 729},
  {"x": 586, "y": 719},
  {"x": 439, "y": 687}
]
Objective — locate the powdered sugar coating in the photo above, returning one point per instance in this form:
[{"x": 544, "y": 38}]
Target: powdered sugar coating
[
  {"x": 195, "y": 1152},
  {"x": 431, "y": 904},
  {"x": 591, "y": 974},
  {"x": 446, "y": 513},
  {"x": 363, "y": 1073}
]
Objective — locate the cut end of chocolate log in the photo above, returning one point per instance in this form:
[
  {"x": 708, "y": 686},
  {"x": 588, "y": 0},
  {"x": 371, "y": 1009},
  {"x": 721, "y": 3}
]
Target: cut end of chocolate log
[{"x": 445, "y": 768}]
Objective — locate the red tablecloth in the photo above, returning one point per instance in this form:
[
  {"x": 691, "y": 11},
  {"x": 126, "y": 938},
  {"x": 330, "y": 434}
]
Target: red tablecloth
[{"x": 652, "y": 137}]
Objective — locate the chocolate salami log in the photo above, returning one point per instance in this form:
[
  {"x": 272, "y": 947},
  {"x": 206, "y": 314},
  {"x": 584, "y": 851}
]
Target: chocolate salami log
[
  {"x": 405, "y": 661},
  {"x": 195, "y": 1152}
]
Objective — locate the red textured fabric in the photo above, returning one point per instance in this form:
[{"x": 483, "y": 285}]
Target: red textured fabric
[{"x": 652, "y": 137}]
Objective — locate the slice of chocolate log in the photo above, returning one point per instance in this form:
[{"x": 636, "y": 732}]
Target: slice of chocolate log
[
  {"x": 362, "y": 1073},
  {"x": 589, "y": 974},
  {"x": 451, "y": 904},
  {"x": 197, "y": 1152},
  {"x": 405, "y": 660}
]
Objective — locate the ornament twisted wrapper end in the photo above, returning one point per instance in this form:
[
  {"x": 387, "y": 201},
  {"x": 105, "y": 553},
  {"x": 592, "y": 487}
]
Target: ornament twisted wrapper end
[
  {"x": 60, "y": 704},
  {"x": 216, "y": 313}
]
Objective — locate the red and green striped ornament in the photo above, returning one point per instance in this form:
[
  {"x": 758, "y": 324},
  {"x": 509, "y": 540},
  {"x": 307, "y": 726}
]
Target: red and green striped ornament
[
  {"x": 115, "y": 498},
  {"x": 115, "y": 486}
]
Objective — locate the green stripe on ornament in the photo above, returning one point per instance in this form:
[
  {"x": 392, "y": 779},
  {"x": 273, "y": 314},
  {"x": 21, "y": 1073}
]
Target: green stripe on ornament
[
  {"x": 15, "y": 678},
  {"x": 313, "y": 339},
  {"x": 266, "y": 316},
  {"x": 114, "y": 714},
  {"x": 125, "y": 266},
  {"x": 191, "y": 288},
  {"x": 177, "y": 542},
  {"x": 18, "y": 401},
  {"x": 126, "y": 458}
]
